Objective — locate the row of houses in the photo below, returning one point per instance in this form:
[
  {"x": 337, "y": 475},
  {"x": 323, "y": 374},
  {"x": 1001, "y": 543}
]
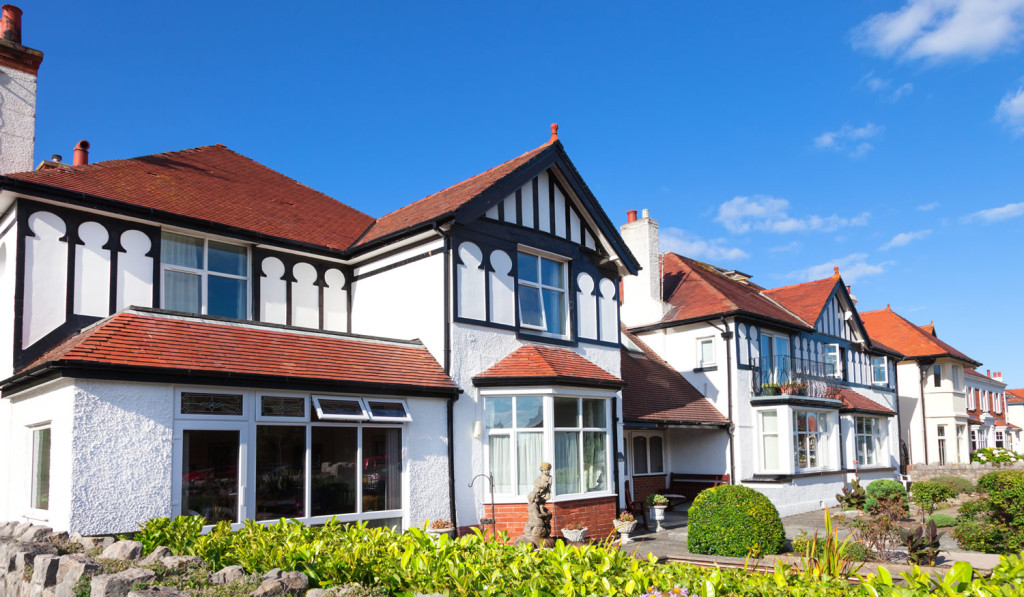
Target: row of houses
[{"x": 194, "y": 333}]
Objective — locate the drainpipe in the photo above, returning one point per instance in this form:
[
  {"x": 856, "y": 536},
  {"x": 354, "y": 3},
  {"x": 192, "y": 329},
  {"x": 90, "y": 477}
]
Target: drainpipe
[
  {"x": 923, "y": 365},
  {"x": 727, "y": 335},
  {"x": 899, "y": 418},
  {"x": 448, "y": 371}
]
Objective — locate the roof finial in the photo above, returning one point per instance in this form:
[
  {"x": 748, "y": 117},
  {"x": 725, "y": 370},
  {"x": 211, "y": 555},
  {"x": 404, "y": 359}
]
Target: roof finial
[
  {"x": 888, "y": 306},
  {"x": 837, "y": 271},
  {"x": 554, "y": 132}
]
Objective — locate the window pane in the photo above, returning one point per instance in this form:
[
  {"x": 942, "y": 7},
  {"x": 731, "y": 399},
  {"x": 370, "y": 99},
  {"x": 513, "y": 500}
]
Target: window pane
[
  {"x": 210, "y": 404},
  {"x": 498, "y": 413},
  {"x": 388, "y": 409},
  {"x": 333, "y": 468},
  {"x": 529, "y": 306},
  {"x": 347, "y": 408},
  {"x": 551, "y": 273},
  {"x": 639, "y": 455},
  {"x": 657, "y": 457},
  {"x": 594, "y": 413},
  {"x": 530, "y": 414},
  {"x": 527, "y": 267},
  {"x": 501, "y": 465},
  {"x": 771, "y": 452},
  {"x": 529, "y": 453},
  {"x": 227, "y": 297},
  {"x": 567, "y": 412},
  {"x": 567, "y": 462},
  {"x": 178, "y": 249},
  {"x": 707, "y": 351},
  {"x": 554, "y": 311},
  {"x": 595, "y": 461},
  {"x": 282, "y": 406},
  {"x": 183, "y": 292},
  {"x": 227, "y": 259},
  {"x": 41, "y": 469},
  {"x": 769, "y": 421},
  {"x": 382, "y": 469},
  {"x": 280, "y": 472},
  {"x": 209, "y": 480}
]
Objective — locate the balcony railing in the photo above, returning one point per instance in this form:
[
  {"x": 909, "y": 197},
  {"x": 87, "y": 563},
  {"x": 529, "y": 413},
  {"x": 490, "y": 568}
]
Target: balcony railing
[{"x": 789, "y": 375}]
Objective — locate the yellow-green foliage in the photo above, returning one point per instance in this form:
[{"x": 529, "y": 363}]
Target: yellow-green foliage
[{"x": 732, "y": 520}]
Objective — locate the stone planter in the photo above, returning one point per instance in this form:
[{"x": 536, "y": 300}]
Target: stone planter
[
  {"x": 658, "y": 513},
  {"x": 624, "y": 529},
  {"x": 575, "y": 535},
  {"x": 450, "y": 531}
]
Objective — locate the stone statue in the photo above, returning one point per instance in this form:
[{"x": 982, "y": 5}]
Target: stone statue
[{"x": 538, "y": 526}]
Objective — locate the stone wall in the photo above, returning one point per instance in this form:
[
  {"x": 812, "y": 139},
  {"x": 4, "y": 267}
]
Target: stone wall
[{"x": 972, "y": 471}]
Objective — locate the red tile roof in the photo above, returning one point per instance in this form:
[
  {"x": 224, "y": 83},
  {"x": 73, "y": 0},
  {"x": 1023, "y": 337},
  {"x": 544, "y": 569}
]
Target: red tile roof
[
  {"x": 148, "y": 340},
  {"x": 447, "y": 201},
  {"x": 930, "y": 328},
  {"x": 697, "y": 290},
  {"x": 1015, "y": 396},
  {"x": 853, "y": 400},
  {"x": 806, "y": 300},
  {"x": 657, "y": 393},
  {"x": 543, "y": 364},
  {"x": 216, "y": 184},
  {"x": 907, "y": 338}
]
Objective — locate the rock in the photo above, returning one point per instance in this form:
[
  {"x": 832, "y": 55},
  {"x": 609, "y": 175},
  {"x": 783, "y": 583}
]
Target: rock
[
  {"x": 44, "y": 570},
  {"x": 35, "y": 534},
  {"x": 181, "y": 562},
  {"x": 296, "y": 582},
  {"x": 275, "y": 573},
  {"x": 27, "y": 553},
  {"x": 7, "y": 528},
  {"x": 155, "y": 556},
  {"x": 269, "y": 588},
  {"x": 73, "y": 567},
  {"x": 20, "y": 528},
  {"x": 120, "y": 584},
  {"x": 92, "y": 542},
  {"x": 123, "y": 550},
  {"x": 158, "y": 592},
  {"x": 317, "y": 593},
  {"x": 228, "y": 575}
]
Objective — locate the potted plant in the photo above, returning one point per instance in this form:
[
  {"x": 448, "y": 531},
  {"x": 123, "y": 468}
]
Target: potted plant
[
  {"x": 574, "y": 532},
  {"x": 794, "y": 388},
  {"x": 657, "y": 504},
  {"x": 770, "y": 389},
  {"x": 624, "y": 525},
  {"x": 441, "y": 526}
]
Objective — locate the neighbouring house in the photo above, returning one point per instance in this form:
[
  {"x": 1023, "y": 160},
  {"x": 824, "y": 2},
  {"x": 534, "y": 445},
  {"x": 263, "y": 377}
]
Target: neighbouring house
[
  {"x": 1015, "y": 415},
  {"x": 194, "y": 333},
  {"x": 809, "y": 397},
  {"x": 987, "y": 411},
  {"x": 933, "y": 396}
]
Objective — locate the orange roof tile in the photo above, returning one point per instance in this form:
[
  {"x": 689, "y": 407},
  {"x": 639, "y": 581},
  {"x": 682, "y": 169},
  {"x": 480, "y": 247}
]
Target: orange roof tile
[
  {"x": 193, "y": 345},
  {"x": 657, "y": 393},
  {"x": 853, "y": 400},
  {"x": 543, "y": 364},
  {"x": 907, "y": 338},
  {"x": 215, "y": 184},
  {"x": 806, "y": 300},
  {"x": 1015, "y": 396}
]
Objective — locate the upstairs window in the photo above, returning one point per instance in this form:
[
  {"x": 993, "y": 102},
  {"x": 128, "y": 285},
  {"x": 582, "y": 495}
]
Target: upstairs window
[
  {"x": 706, "y": 352},
  {"x": 204, "y": 276},
  {"x": 834, "y": 357},
  {"x": 542, "y": 294},
  {"x": 958, "y": 383},
  {"x": 879, "y": 371},
  {"x": 937, "y": 376}
]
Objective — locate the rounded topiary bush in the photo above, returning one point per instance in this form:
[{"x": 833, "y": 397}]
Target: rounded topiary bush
[
  {"x": 732, "y": 520},
  {"x": 957, "y": 484},
  {"x": 884, "y": 488}
]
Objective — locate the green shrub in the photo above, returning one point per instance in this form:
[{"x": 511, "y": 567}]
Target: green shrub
[
  {"x": 732, "y": 520},
  {"x": 958, "y": 484},
  {"x": 995, "y": 456},
  {"x": 1005, "y": 496},
  {"x": 884, "y": 488},
  {"x": 942, "y": 520},
  {"x": 929, "y": 494}
]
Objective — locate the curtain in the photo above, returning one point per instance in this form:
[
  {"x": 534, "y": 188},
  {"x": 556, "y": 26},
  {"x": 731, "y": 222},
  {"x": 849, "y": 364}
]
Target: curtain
[
  {"x": 178, "y": 249},
  {"x": 567, "y": 462},
  {"x": 501, "y": 467},
  {"x": 182, "y": 291},
  {"x": 530, "y": 453},
  {"x": 595, "y": 461},
  {"x": 393, "y": 496},
  {"x": 639, "y": 455}
]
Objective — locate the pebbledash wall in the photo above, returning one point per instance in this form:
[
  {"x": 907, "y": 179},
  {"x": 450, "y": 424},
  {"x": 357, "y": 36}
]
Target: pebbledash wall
[{"x": 117, "y": 469}]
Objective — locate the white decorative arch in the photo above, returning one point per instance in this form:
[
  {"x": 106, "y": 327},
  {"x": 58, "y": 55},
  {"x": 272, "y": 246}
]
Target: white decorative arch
[
  {"x": 46, "y": 277},
  {"x": 609, "y": 311},
  {"x": 92, "y": 271},
  {"x": 273, "y": 291},
  {"x": 335, "y": 301},
  {"x": 503, "y": 293},
  {"x": 586, "y": 304},
  {"x": 470, "y": 278},
  {"x": 134, "y": 270},
  {"x": 305, "y": 296}
]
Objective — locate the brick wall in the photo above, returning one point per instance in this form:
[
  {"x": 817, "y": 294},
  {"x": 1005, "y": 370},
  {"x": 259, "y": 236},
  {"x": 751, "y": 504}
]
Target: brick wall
[
  {"x": 645, "y": 486},
  {"x": 595, "y": 513}
]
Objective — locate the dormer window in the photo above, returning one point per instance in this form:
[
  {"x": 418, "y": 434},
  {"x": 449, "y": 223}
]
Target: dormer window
[
  {"x": 204, "y": 276},
  {"x": 542, "y": 294}
]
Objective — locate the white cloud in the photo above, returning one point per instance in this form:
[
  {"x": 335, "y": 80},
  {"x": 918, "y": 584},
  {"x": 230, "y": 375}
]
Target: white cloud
[
  {"x": 793, "y": 247},
  {"x": 851, "y": 268},
  {"x": 905, "y": 238},
  {"x": 942, "y": 29},
  {"x": 928, "y": 206},
  {"x": 998, "y": 214},
  {"x": 849, "y": 139},
  {"x": 771, "y": 214},
  {"x": 676, "y": 240},
  {"x": 1011, "y": 111},
  {"x": 882, "y": 86},
  {"x": 904, "y": 89}
]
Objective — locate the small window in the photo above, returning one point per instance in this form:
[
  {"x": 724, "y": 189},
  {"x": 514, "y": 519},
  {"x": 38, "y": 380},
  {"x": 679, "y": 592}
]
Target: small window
[
  {"x": 958, "y": 384},
  {"x": 542, "y": 294},
  {"x": 387, "y": 411},
  {"x": 769, "y": 440},
  {"x": 41, "y": 468},
  {"x": 640, "y": 455},
  {"x": 290, "y": 407},
  {"x": 705, "y": 352},
  {"x": 648, "y": 455},
  {"x": 194, "y": 403},
  {"x": 868, "y": 434},
  {"x": 833, "y": 363},
  {"x": 339, "y": 409},
  {"x": 879, "y": 371},
  {"x": 937, "y": 376}
]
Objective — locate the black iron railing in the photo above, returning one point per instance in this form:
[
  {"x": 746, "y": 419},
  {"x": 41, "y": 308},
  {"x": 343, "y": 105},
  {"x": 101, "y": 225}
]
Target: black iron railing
[{"x": 789, "y": 375}]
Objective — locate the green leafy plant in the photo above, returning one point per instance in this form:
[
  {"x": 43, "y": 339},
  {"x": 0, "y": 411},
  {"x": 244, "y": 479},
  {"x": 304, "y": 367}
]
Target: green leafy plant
[
  {"x": 656, "y": 499},
  {"x": 922, "y": 543},
  {"x": 829, "y": 556},
  {"x": 884, "y": 488},
  {"x": 770, "y": 389},
  {"x": 929, "y": 494},
  {"x": 958, "y": 484},
  {"x": 879, "y": 531},
  {"x": 732, "y": 520},
  {"x": 996, "y": 456},
  {"x": 942, "y": 520},
  {"x": 853, "y": 495},
  {"x": 994, "y": 524}
]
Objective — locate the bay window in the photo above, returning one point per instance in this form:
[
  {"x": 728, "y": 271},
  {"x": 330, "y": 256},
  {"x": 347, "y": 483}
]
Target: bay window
[
  {"x": 868, "y": 437},
  {"x": 810, "y": 439},
  {"x": 205, "y": 276},
  {"x": 543, "y": 299},
  {"x": 770, "y": 460}
]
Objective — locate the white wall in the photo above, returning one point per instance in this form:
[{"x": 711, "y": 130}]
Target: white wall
[
  {"x": 17, "y": 120},
  {"x": 427, "y": 461},
  {"x": 8, "y": 273},
  {"x": 697, "y": 451}
]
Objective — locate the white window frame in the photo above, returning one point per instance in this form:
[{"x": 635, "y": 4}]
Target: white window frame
[
  {"x": 709, "y": 340},
  {"x": 831, "y": 351},
  {"x": 774, "y": 374},
  {"x": 364, "y": 404},
  {"x": 647, "y": 436},
  {"x": 565, "y": 263},
  {"x": 205, "y": 273},
  {"x": 958, "y": 378},
  {"x": 260, "y": 417},
  {"x": 971, "y": 401},
  {"x": 1000, "y": 438},
  {"x": 783, "y": 456},
  {"x": 937, "y": 383},
  {"x": 997, "y": 403},
  {"x": 885, "y": 371},
  {"x": 824, "y": 439},
  {"x": 246, "y": 405},
  {"x": 940, "y": 440},
  {"x": 873, "y": 437},
  {"x": 33, "y": 512}
]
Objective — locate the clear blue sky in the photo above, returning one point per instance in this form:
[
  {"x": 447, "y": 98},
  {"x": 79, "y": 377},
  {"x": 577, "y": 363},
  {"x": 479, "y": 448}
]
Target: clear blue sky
[{"x": 778, "y": 138}]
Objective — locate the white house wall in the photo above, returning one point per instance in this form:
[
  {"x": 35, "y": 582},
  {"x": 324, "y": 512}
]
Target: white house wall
[
  {"x": 697, "y": 451},
  {"x": 426, "y": 460},
  {"x": 8, "y": 273}
]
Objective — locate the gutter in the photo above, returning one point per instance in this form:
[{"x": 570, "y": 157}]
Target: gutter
[{"x": 734, "y": 313}]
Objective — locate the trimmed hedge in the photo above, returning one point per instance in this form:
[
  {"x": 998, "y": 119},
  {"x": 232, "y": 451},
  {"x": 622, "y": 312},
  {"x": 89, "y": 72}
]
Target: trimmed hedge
[
  {"x": 732, "y": 520},
  {"x": 884, "y": 488},
  {"x": 958, "y": 484},
  {"x": 929, "y": 494},
  {"x": 942, "y": 520}
]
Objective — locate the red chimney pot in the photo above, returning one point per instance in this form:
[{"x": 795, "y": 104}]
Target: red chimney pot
[
  {"x": 81, "y": 153},
  {"x": 631, "y": 215},
  {"x": 988, "y": 373},
  {"x": 10, "y": 23}
]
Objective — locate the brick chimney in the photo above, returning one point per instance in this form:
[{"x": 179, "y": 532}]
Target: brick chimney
[
  {"x": 19, "y": 67},
  {"x": 641, "y": 293}
]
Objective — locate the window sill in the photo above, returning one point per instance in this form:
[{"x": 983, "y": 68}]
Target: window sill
[
  {"x": 649, "y": 474},
  {"x": 705, "y": 369}
]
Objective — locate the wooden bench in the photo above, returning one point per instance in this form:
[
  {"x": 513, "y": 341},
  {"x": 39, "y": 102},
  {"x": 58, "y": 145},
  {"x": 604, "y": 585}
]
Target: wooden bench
[{"x": 683, "y": 487}]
